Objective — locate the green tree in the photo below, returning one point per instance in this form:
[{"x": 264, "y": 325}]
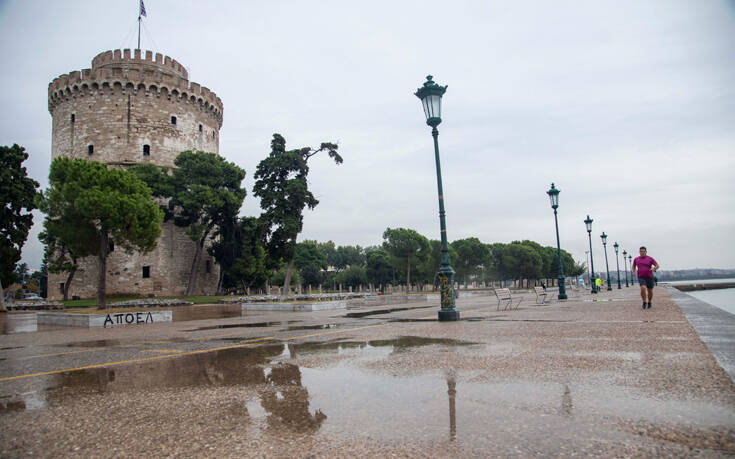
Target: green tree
[
  {"x": 241, "y": 255},
  {"x": 310, "y": 262},
  {"x": 494, "y": 268},
  {"x": 521, "y": 261},
  {"x": 349, "y": 255},
  {"x": 378, "y": 268},
  {"x": 407, "y": 247},
  {"x": 354, "y": 276},
  {"x": 471, "y": 254},
  {"x": 428, "y": 269},
  {"x": 329, "y": 250},
  {"x": 112, "y": 201},
  {"x": 201, "y": 193},
  {"x": 66, "y": 242},
  {"x": 281, "y": 184},
  {"x": 18, "y": 192}
]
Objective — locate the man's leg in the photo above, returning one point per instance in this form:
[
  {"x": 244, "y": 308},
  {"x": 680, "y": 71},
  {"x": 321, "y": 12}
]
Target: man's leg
[
  {"x": 643, "y": 292},
  {"x": 650, "y": 295}
]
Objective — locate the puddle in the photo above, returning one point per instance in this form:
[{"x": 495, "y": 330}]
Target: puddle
[
  {"x": 96, "y": 343},
  {"x": 208, "y": 311},
  {"x": 243, "y": 325},
  {"x": 314, "y": 327},
  {"x": 355, "y": 399},
  {"x": 17, "y": 323},
  {"x": 358, "y": 315}
]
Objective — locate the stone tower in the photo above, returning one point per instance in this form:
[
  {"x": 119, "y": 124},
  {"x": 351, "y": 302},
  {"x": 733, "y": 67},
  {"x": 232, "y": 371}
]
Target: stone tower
[{"x": 129, "y": 109}]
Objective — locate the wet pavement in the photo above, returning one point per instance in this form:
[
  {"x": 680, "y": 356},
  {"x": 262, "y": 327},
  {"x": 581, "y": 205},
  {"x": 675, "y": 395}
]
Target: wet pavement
[{"x": 579, "y": 377}]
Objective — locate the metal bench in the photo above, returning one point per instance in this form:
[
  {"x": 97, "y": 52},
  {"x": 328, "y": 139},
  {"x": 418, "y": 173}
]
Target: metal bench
[
  {"x": 540, "y": 294},
  {"x": 504, "y": 295}
]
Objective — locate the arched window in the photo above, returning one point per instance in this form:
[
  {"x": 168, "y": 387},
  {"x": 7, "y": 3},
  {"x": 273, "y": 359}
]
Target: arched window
[
  {"x": 146, "y": 150},
  {"x": 90, "y": 149},
  {"x": 173, "y": 120}
]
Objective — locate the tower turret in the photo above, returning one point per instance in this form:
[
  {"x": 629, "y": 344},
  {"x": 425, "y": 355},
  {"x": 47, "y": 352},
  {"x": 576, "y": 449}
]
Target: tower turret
[{"x": 130, "y": 108}]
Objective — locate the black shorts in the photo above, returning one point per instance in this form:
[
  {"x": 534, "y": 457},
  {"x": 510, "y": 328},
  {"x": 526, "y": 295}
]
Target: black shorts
[{"x": 647, "y": 281}]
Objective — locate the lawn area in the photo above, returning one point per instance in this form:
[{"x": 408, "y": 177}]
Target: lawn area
[{"x": 92, "y": 302}]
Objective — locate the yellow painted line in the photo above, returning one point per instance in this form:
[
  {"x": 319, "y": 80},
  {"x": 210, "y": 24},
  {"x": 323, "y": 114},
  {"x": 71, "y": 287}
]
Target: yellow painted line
[
  {"x": 123, "y": 362},
  {"x": 165, "y": 351},
  {"x": 54, "y": 355},
  {"x": 331, "y": 332},
  {"x": 181, "y": 354}
]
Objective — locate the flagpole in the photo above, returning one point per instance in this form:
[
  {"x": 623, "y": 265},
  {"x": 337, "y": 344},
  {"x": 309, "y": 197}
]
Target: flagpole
[{"x": 139, "y": 31}]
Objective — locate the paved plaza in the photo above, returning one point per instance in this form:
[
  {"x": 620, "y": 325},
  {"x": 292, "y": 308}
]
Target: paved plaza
[{"x": 592, "y": 375}]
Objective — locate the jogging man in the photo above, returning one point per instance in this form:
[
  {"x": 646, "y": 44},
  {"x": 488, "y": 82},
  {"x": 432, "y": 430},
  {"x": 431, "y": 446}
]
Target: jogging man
[{"x": 646, "y": 266}]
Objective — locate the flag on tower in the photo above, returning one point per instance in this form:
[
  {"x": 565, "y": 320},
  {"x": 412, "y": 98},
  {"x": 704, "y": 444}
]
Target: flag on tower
[{"x": 142, "y": 9}]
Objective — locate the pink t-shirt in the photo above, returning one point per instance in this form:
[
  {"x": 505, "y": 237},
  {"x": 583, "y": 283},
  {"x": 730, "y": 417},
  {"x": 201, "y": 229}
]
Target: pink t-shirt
[{"x": 643, "y": 264}]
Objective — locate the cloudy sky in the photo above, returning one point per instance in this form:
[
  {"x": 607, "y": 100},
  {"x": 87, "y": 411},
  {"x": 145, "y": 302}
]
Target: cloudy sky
[{"x": 627, "y": 106}]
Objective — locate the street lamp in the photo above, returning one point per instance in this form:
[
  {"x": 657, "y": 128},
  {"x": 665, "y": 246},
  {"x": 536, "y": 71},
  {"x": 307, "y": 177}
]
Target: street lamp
[
  {"x": 603, "y": 236},
  {"x": 617, "y": 263},
  {"x": 625, "y": 265},
  {"x": 630, "y": 262},
  {"x": 588, "y": 224},
  {"x": 554, "y": 197},
  {"x": 431, "y": 98}
]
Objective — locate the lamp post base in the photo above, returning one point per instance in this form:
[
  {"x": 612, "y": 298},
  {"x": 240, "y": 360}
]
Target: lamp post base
[
  {"x": 562, "y": 288},
  {"x": 448, "y": 315}
]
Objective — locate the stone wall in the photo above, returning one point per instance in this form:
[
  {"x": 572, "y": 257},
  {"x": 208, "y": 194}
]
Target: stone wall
[{"x": 131, "y": 108}]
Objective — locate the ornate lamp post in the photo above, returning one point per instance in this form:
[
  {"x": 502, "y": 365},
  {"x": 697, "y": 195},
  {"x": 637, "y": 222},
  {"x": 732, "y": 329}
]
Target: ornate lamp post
[
  {"x": 630, "y": 263},
  {"x": 588, "y": 224},
  {"x": 617, "y": 263},
  {"x": 554, "y": 197},
  {"x": 625, "y": 265},
  {"x": 603, "y": 236},
  {"x": 431, "y": 98}
]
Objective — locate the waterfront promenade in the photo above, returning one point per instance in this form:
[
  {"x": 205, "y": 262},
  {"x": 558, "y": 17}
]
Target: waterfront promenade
[{"x": 593, "y": 375}]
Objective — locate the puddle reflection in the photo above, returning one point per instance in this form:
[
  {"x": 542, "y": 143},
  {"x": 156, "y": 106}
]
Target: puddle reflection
[
  {"x": 207, "y": 311},
  {"x": 452, "y": 392},
  {"x": 18, "y": 323}
]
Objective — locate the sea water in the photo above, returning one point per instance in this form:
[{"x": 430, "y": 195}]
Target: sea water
[{"x": 723, "y": 298}]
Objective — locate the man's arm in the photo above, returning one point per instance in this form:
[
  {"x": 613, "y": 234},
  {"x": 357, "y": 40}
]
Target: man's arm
[
  {"x": 655, "y": 265},
  {"x": 634, "y": 267}
]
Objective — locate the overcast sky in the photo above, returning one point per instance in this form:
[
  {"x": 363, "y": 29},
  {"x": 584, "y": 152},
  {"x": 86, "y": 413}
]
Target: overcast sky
[{"x": 627, "y": 106}]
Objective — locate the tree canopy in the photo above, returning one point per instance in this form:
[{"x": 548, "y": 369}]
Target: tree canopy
[
  {"x": 407, "y": 247},
  {"x": 282, "y": 186},
  {"x": 104, "y": 205},
  {"x": 201, "y": 193},
  {"x": 18, "y": 192}
]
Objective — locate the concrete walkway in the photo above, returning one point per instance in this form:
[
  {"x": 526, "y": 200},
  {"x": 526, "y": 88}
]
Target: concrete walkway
[
  {"x": 594, "y": 375},
  {"x": 715, "y": 327}
]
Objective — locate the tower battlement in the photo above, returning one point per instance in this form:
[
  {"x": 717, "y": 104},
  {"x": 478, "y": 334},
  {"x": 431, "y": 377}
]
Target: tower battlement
[
  {"x": 118, "y": 70},
  {"x": 128, "y": 108},
  {"x": 118, "y": 58}
]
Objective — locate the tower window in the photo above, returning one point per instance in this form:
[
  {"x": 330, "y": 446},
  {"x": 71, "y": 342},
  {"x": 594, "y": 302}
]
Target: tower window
[
  {"x": 146, "y": 272},
  {"x": 173, "y": 120},
  {"x": 208, "y": 266},
  {"x": 111, "y": 248},
  {"x": 200, "y": 128},
  {"x": 72, "y": 118},
  {"x": 213, "y": 134},
  {"x": 90, "y": 149},
  {"x": 146, "y": 150}
]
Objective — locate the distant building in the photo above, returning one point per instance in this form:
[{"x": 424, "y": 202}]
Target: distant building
[{"x": 131, "y": 108}]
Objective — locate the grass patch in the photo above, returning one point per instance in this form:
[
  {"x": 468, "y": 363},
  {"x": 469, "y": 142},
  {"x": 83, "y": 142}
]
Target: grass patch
[{"x": 92, "y": 302}]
